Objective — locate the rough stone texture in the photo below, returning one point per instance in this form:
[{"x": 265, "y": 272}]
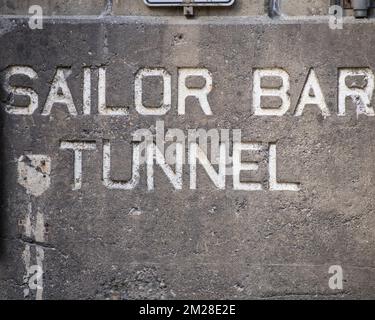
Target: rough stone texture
[
  {"x": 54, "y": 7},
  {"x": 305, "y": 7},
  {"x": 202, "y": 243},
  {"x": 240, "y": 8},
  {"x": 125, "y": 7},
  {"x": 138, "y": 8}
]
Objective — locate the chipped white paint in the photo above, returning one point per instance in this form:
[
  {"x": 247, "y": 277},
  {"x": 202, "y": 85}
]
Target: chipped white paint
[
  {"x": 146, "y": 152},
  {"x": 60, "y": 93},
  {"x": 135, "y": 212},
  {"x": 239, "y": 166},
  {"x": 272, "y": 168},
  {"x": 282, "y": 92},
  {"x": 102, "y": 104},
  {"x": 167, "y": 91},
  {"x": 312, "y": 95},
  {"x": 34, "y": 230},
  {"x": 78, "y": 148},
  {"x": 360, "y": 96},
  {"x": 87, "y": 90},
  {"x": 218, "y": 178},
  {"x": 201, "y": 94},
  {"x": 121, "y": 185},
  {"x": 34, "y": 173},
  {"x": 26, "y": 257},
  {"x": 20, "y": 91},
  {"x": 34, "y": 226}
]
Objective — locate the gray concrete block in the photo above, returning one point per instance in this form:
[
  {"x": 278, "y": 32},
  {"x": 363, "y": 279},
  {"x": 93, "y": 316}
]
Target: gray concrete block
[
  {"x": 240, "y": 8},
  {"x": 304, "y": 7},
  {"x": 54, "y": 7},
  {"x": 206, "y": 243}
]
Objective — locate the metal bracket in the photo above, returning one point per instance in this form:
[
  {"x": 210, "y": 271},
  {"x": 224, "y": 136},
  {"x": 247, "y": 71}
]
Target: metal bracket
[
  {"x": 188, "y": 5},
  {"x": 274, "y": 8},
  {"x": 361, "y": 8}
]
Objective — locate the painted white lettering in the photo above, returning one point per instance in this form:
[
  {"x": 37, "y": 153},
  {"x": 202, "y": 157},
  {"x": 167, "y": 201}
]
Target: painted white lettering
[
  {"x": 201, "y": 94},
  {"x": 60, "y": 93},
  {"x": 167, "y": 94},
  {"x": 282, "y": 92},
  {"x": 312, "y": 95},
  {"x": 78, "y": 148},
  {"x": 361, "y": 96},
  {"x": 12, "y": 91}
]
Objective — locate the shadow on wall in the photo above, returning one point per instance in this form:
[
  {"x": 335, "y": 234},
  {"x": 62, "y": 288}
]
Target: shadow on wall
[{"x": 2, "y": 173}]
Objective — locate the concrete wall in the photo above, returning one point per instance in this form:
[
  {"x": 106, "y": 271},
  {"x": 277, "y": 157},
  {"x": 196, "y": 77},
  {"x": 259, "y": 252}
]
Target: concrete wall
[
  {"x": 138, "y": 8},
  {"x": 54, "y": 7},
  {"x": 72, "y": 226}
]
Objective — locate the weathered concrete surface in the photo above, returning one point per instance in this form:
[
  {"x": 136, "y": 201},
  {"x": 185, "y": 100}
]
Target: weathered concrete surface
[
  {"x": 304, "y": 7},
  {"x": 126, "y": 7},
  {"x": 138, "y": 8},
  {"x": 203, "y": 243},
  {"x": 54, "y": 7},
  {"x": 239, "y": 8}
]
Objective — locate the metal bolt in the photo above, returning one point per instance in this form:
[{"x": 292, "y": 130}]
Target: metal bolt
[{"x": 360, "y": 8}]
